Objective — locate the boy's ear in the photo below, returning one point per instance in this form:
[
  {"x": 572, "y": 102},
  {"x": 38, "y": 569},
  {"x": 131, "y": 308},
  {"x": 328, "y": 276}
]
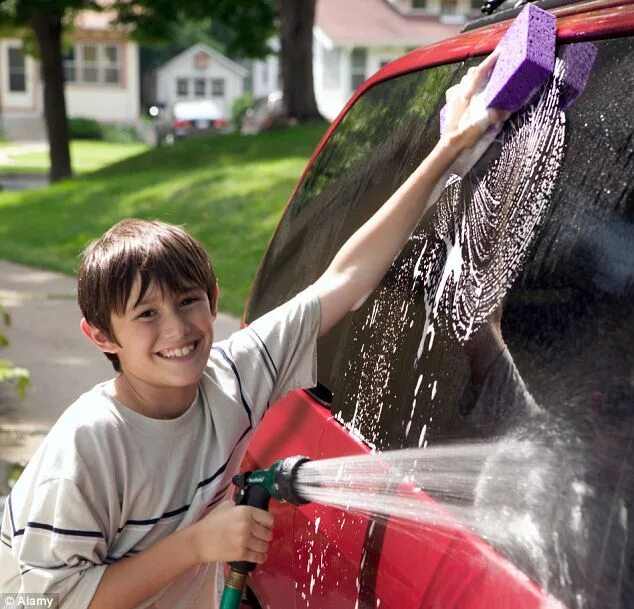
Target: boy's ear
[{"x": 98, "y": 337}]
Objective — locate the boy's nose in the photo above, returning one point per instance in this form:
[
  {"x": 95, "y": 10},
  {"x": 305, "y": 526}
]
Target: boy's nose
[{"x": 176, "y": 325}]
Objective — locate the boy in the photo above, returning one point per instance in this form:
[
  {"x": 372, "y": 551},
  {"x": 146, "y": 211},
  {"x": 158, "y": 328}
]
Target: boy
[{"x": 120, "y": 506}]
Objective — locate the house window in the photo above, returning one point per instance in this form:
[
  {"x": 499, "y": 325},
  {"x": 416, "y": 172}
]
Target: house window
[
  {"x": 419, "y": 3},
  {"x": 330, "y": 76},
  {"x": 217, "y": 87},
  {"x": 93, "y": 64},
  {"x": 70, "y": 65},
  {"x": 200, "y": 89},
  {"x": 17, "y": 70},
  {"x": 358, "y": 60},
  {"x": 110, "y": 63},
  {"x": 182, "y": 87},
  {"x": 89, "y": 63},
  {"x": 448, "y": 7}
]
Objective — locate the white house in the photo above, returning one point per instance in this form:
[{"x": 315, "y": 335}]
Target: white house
[
  {"x": 265, "y": 73},
  {"x": 102, "y": 78},
  {"x": 200, "y": 72},
  {"x": 352, "y": 39}
]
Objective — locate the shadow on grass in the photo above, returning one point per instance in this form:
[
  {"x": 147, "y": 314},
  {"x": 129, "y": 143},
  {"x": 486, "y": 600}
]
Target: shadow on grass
[{"x": 225, "y": 149}]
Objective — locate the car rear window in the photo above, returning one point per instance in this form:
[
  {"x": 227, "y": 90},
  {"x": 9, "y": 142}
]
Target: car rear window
[
  {"x": 567, "y": 318},
  {"x": 523, "y": 328}
]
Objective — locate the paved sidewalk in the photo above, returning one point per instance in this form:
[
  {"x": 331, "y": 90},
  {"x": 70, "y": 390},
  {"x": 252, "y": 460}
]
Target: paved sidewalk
[
  {"x": 45, "y": 338},
  {"x": 8, "y": 153}
]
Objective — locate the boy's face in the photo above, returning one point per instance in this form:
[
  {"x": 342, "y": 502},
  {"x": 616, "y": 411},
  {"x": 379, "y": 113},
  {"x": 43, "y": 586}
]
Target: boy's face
[{"x": 165, "y": 339}]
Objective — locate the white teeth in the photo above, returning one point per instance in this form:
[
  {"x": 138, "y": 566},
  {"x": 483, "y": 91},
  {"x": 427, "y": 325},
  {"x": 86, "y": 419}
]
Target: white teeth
[{"x": 180, "y": 352}]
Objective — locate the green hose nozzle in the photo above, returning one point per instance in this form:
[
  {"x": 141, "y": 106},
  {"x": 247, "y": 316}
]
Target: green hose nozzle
[
  {"x": 279, "y": 480},
  {"x": 256, "y": 490}
]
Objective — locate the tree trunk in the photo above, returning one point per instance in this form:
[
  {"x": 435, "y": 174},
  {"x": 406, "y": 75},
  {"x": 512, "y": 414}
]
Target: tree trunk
[
  {"x": 296, "y": 58},
  {"x": 48, "y": 31}
]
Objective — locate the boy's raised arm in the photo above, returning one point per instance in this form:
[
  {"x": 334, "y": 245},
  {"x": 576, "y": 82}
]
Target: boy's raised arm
[{"x": 364, "y": 259}]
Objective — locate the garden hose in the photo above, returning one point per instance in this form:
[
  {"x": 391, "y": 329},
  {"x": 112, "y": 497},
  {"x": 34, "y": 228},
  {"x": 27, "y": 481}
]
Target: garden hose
[{"x": 256, "y": 490}]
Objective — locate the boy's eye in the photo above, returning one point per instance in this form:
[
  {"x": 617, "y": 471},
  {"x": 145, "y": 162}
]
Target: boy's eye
[
  {"x": 189, "y": 300},
  {"x": 148, "y": 314}
]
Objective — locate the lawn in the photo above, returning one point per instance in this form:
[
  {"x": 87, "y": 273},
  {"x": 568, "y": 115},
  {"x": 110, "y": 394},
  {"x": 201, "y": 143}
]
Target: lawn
[
  {"x": 229, "y": 190},
  {"x": 86, "y": 156}
]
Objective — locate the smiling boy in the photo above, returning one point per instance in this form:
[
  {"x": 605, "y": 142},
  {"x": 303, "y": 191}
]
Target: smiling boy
[{"x": 121, "y": 506}]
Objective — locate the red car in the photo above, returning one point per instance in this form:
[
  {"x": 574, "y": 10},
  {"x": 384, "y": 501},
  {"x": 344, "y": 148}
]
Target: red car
[{"x": 401, "y": 372}]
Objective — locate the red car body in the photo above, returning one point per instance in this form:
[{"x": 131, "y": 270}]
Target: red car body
[{"x": 339, "y": 564}]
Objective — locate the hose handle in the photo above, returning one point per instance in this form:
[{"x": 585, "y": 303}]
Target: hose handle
[{"x": 253, "y": 496}]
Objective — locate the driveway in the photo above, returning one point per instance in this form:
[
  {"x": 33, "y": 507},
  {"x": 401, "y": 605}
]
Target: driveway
[{"x": 45, "y": 338}]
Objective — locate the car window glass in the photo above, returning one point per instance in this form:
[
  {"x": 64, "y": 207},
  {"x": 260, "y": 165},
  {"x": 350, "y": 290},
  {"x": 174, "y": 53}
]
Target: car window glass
[
  {"x": 509, "y": 312},
  {"x": 392, "y": 125},
  {"x": 379, "y": 142}
]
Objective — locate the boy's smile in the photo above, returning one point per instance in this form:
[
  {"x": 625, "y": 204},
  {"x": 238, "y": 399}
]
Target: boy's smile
[
  {"x": 162, "y": 342},
  {"x": 178, "y": 354}
]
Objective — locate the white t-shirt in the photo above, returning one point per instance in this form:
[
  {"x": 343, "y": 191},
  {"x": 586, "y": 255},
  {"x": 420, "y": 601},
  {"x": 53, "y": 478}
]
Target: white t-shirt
[{"x": 108, "y": 482}]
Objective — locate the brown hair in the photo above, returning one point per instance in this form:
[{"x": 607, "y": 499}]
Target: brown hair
[{"x": 152, "y": 250}]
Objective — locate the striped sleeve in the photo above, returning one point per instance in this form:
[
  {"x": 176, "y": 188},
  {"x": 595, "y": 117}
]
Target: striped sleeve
[
  {"x": 53, "y": 541},
  {"x": 276, "y": 353}
]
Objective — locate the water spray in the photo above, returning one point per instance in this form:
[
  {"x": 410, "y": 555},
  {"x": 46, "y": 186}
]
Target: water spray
[
  {"x": 528, "y": 498},
  {"x": 256, "y": 489},
  {"x": 391, "y": 486}
]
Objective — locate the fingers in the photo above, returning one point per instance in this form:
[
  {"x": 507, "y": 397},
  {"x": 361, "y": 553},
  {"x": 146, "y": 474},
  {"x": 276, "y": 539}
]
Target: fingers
[
  {"x": 257, "y": 557},
  {"x": 231, "y": 532},
  {"x": 261, "y": 530},
  {"x": 483, "y": 71},
  {"x": 257, "y": 534},
  {"x": 498, "y": 116},
  {"x": 262, "y": 533},
  {"x": 263, "y": 517},
  {"x": 466, "y": 117},
  {"x": 472, "y": 82},
  {"x": 457, "y": 103},
  {"x": 478, "y": 76},
  {"x": 257, "y": 545}
]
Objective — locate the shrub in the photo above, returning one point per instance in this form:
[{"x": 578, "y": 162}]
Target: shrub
[
  {"x": 81, "y": 128},
  {"x": 9, "y": 372},
  {"x": 121, "y": 134},
  {"x": 239, "y": 108}
]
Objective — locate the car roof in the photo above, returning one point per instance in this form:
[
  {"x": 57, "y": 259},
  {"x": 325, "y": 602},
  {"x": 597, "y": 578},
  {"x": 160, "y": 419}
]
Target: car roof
[{"x": 557, "y": 7}]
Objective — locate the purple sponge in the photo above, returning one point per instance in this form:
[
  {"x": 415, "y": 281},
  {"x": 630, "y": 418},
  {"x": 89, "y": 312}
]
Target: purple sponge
[
  {"x": 578, "y": 60},
  {"x": 526, "y": 59}
]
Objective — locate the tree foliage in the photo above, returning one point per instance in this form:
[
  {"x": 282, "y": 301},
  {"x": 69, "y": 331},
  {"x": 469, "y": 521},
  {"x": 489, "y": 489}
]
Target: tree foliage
[
  {"x": 242, "y": 26},
  {"x": 9, "y": 372}
]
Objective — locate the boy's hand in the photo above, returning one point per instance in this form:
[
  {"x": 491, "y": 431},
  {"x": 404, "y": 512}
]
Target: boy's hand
[
  {"x": 467, "y": 118},
  {"x": 231, "y": 533}
]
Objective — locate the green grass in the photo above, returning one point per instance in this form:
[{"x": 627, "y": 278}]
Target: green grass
[
  {"x": 86, "y": 156},
  {"x": 229, "y": 191}
]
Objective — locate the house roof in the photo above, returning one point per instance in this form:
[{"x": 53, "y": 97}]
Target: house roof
[
  {"x": 376, "y": 23},
  {"x": 219, "y": 57}
]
